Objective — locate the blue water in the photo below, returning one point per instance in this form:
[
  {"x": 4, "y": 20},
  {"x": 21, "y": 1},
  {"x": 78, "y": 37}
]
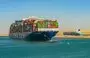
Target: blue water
[{"x": 63, "y": 48}]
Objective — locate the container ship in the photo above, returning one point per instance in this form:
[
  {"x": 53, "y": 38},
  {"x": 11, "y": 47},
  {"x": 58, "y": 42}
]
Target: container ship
[{"x": 33, "y": 29}]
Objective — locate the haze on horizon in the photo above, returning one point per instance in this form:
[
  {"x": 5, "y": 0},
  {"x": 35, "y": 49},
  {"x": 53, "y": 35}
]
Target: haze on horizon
[{"x": 71, "y": 14}]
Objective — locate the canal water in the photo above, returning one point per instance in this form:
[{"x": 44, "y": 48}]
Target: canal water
[{"x": 63, "y": 48}]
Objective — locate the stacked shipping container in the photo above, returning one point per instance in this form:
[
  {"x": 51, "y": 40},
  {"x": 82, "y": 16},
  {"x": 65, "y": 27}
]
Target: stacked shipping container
[{"x": 30, "y": 25}]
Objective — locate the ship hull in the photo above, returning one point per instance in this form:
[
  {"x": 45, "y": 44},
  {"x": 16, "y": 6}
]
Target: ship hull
[{"x": 35, "y": 36}]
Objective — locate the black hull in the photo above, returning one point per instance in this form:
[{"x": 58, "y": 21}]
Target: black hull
[{"x": 39, "y": 36}]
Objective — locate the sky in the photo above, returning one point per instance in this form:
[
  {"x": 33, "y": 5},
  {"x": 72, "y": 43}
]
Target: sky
[{"x": 71, "y": 14}]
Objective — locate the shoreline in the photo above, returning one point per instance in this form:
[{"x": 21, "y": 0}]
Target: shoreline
[
  {"x": 1, "y": 35},
  {"x": 73, "y": 37},
  {"x": 62, "y": 37}
]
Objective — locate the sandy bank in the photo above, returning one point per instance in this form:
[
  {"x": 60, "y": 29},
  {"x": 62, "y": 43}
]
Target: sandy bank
[
  {"x": 3, "y": 34},
  {"x": 73, "y": 37}
]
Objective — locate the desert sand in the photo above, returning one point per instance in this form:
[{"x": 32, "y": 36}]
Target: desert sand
[{"x": 3, "y": 34}]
